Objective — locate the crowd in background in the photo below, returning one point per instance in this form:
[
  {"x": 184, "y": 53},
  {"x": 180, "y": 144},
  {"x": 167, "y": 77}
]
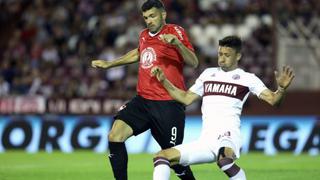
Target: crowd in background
[{"x": 47, "y": 45}]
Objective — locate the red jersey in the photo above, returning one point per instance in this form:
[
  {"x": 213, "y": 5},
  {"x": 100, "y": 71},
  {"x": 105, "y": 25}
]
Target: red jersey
[{"x": 154, "y": 52}]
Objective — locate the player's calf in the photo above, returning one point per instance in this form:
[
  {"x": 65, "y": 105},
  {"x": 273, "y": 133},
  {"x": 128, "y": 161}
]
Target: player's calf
[
  {"x": 183, "y": 172},
  {"x": 169, "y": 158},
  {"x": 161, "y": 168},
  {"x": 227, "y": 165},
  {"x": 161, "y": 162},
  {"x": 118, "y": 156}
]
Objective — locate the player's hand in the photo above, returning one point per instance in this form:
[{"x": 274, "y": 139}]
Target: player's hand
[
  {"x": 285, "y": 77},
  {"x": 170, "y": 39},
  {"x": 158, "y": 73},
  {"x": 100, "y": 64}
]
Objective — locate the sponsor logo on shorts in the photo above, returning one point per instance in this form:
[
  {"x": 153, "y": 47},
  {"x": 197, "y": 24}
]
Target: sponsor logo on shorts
[
  {"x": 122, "y": 107},
  {"x": 226, "y": 134}
]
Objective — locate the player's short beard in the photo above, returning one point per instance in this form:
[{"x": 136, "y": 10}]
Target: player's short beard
[
  {"x": 158, "y": 29},
  {"x": 153, "y": 31}
]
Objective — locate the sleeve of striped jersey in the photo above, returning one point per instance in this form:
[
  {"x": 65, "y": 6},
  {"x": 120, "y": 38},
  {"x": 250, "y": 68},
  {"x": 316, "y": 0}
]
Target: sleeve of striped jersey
[
  {"x": 197, "y": 87},
  {"x": 257, "y": 86}
]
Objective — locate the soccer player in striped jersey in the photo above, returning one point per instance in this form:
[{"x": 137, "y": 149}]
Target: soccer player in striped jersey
[{"x": 223, "y": 90}]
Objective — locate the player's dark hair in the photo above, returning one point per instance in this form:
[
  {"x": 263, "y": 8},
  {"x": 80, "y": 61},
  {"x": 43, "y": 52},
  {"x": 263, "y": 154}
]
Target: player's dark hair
[
  {"x": 232, "y": 42},
  {"x": 152, "y": 3}
]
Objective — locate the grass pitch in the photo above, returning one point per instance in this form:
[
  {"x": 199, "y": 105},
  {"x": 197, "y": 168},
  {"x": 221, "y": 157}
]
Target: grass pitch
[{"x": 86, "y": 165}]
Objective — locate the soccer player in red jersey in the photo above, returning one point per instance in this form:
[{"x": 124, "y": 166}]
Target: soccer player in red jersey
[{"x": 166, "y": 46}]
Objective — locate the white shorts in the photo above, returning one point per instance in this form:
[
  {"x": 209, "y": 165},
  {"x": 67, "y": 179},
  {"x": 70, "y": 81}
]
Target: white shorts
[{"x": 206, "y": 148}]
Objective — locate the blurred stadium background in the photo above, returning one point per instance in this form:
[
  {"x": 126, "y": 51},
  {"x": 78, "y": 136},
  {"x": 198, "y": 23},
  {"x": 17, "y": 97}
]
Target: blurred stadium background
[{"x": 51, "y": 100}]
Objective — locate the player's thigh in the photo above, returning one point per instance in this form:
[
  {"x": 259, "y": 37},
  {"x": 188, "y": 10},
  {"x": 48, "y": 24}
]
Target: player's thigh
[
  {"x": 229, "y": 145},
  {"x": 196, "y": 152},
  {"x": 167, "y": 125},
  {"x": 135, "y": 115},
  {"x": 120, "y": 131}
]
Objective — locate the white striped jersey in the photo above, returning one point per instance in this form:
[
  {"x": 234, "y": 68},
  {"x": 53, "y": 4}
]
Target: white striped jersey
[{"x": 224, "y": 93}]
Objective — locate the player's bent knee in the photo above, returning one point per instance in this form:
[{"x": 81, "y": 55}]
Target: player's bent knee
[
  {"x": 160, "y": 159},
  {"x": 161, "y": 154},
  {"x": 117, "y": 136},
  {"x": 226, "y": 152},
  {"x": 114, "y": 137},
  {"x": 120, "y": 132},
  {"x": 171, "y": 154}
]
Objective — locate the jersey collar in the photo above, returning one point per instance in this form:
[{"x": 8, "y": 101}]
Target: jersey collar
[
  {"x": 153, "y": 35},
  {"x": 235, "y": 70}
]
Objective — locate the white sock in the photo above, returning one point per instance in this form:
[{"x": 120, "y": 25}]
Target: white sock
[
  {"x": 239, "y": 176},
  {"x": 161, "y": 172}
]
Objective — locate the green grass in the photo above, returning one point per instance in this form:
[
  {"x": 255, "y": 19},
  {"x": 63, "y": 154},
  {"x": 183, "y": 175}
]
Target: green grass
[{"x": 85, "y": 165}]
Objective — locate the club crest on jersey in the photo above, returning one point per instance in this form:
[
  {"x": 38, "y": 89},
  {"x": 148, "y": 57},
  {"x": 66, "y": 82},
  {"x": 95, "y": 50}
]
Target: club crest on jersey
[
  {"x": 236, "y": 77},
  {"x": 148, "y": 56}
]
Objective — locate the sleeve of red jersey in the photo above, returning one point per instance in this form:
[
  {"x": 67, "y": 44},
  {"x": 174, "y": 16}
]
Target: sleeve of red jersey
[
  {"x": 182, "y": 36},
  {"x": 140, "y": 35}
]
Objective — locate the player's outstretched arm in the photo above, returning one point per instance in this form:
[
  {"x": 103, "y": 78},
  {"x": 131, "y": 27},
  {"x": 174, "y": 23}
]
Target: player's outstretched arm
[
  {"x": 284, "y": 79},
  {"x": 189, "y": 56},
  {"x": 184, "y": 97},
  {"x": 131, "y": 57}
]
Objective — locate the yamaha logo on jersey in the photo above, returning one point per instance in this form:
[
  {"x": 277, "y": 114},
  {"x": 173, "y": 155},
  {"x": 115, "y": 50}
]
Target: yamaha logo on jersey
[
  {"x": 148, "y": 56},
  {"x": 224, "y": 89}
]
